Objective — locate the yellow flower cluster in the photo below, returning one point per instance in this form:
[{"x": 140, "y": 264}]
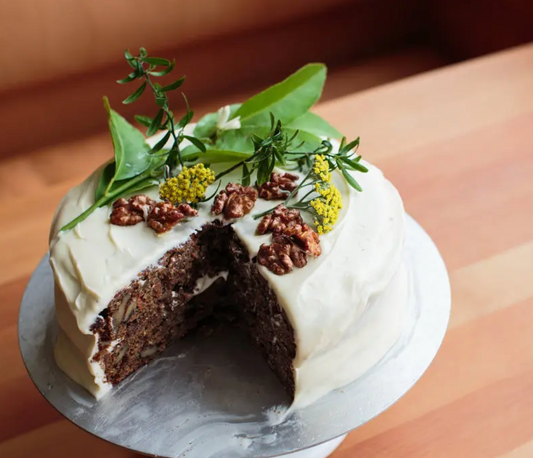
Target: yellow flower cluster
[
  {"x": 321, "y": 168},
  {"x": 326, "y": 207},
  {"x": 189, "y": 186}
]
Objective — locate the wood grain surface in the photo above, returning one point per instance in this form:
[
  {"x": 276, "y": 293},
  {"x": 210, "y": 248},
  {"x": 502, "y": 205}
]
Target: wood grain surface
[{"x": 458, "y": 144}]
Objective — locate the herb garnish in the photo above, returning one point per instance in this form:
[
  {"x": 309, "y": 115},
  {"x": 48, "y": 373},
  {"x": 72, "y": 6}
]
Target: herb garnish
[
  {"x": 136, "y": 165},
  {"x": 244, "y": 133},
  {"x": 322, "y": 199}
]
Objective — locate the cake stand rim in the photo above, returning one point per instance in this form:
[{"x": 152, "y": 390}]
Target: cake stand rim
[{"x": 43, "y": 263}]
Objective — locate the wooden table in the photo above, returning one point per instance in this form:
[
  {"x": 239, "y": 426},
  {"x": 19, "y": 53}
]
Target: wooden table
[{"x": 458, "y": 144}]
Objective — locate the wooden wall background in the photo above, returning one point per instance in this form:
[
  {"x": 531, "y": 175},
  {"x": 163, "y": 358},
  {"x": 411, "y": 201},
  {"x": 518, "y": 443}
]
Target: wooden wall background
[{"x": 59, "y": 57}]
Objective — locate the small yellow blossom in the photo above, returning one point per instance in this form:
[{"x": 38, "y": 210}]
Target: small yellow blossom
[
  {"x": 189, "y": 186},
  {"x": 321, "y": 168},
  {"x": 326, "y": 206}
]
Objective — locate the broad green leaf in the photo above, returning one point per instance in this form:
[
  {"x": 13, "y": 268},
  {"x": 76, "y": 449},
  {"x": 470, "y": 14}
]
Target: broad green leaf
[
  {"x": 107, "y": 175},
  {"x": 314, "y": 124},
  {"x": 287, "y": 100},
  {"x": 131, "y": 150},
  {"x": 212, "y": 156},
  {"x": 148, "y": 183},
  {"x": 206, "y": 126},
  {"x": 241, "y": 139},
  {"x": 102, "y": 185},
  {"x": 310, "y": 141}
]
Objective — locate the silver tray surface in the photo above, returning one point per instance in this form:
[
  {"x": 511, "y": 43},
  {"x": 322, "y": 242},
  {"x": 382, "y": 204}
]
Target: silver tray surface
[{"x": 214, "y": 397}]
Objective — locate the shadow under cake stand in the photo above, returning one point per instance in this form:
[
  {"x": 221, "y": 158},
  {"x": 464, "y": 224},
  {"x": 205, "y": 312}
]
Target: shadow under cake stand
[{"x": 208, "y": 397}]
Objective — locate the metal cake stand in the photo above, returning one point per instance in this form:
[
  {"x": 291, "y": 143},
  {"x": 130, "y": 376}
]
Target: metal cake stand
[{"x": 214, "y": 397}]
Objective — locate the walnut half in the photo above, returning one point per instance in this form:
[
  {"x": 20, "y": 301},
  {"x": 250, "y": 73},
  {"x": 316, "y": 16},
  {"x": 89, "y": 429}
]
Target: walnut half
[
  {"x": 279, "y": 220},
  {"x": 276, "y": 257},
  {"x": 132, "y": 211},
  {"x": 279, "y": 186},
  {"x": 164, "y": 216},
  {"x": 235, "y": 201}
]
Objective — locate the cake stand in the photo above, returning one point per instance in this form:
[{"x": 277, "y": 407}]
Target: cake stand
[{"x": 208, "y": 397}]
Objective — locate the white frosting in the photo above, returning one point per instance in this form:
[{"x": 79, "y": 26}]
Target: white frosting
[{"x": 338, "y": 335}]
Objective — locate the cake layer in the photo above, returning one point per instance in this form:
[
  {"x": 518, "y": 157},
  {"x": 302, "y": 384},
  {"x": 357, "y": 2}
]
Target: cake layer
[{"x": 330, "y": 303}]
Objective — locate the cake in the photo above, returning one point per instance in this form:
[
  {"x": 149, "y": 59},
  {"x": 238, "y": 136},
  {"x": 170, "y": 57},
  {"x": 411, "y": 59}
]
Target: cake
[{"x": 295, "y": 250}]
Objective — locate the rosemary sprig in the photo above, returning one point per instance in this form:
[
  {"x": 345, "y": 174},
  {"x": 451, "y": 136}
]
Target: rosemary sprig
[
  {"x": 145, "y": 68},
  {"x": 317, "y": 178},
  {"x": 277, "y": 148},
  {"x": 267, "y": 152}
]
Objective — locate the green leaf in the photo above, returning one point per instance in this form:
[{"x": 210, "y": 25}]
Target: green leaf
[
  {"x": 160, "y": 144},
  {"x": 206, "y": 126},
  {"x": 105, "y": 179},
  {"x": 213, "y": 194},
  {"x": 245, "y": 175},
  {"x": 102, "y": 185},
  {"x": 287, "y": 100},
  {"x": 240, "y": 139},
  {"x": 354, "y": 165},
  {"x": 130, "y": 59},
  {"x": 161, "y": 99},
  {"x": 156, "y": 61},
  {"x": 144, "y": 120},
  {"x": 164, "y": 72},
  {"x": 212, "y": 156},
  {"x": 175, "y": 85},
  {"x": 314, "y": 124},
  {"x": 351, "y": 180},
  {"x": 154, "y": 125},
  {"x": 304, "y": 141},
  {"x": 128, "y": 78},
  {"x": 196, "y": 143},
  {"x": 143, "y": 52},
  {"x": 265, "y": 168},
  {"x": 131, "y": 150},
  {"x": 350, "y": 146},
  {"x": 185, "y": 120},
  {"x": 148, "y": 183},
  {"x": 133, "y": 97}
]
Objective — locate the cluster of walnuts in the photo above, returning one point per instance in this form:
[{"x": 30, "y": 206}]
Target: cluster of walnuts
[
  {"x": 292, "y": 239},
  {"x": 160, "y": 216}
]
